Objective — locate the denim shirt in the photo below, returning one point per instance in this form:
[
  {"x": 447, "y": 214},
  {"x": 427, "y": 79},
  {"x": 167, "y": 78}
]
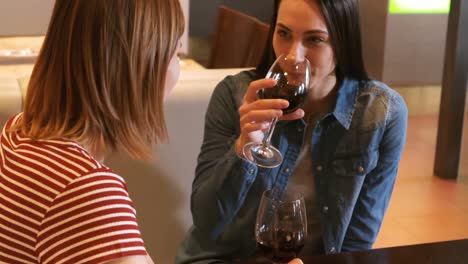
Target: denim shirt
[{"x": 356, "y": 151}]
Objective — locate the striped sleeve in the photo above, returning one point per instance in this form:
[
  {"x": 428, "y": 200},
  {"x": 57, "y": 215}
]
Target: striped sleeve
[{"x": 92, "y": 221}]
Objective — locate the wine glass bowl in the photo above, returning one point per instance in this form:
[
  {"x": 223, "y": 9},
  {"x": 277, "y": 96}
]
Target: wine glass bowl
[
  {"x": 281, "y": 226},
  {"x": 292, "y": 84}
]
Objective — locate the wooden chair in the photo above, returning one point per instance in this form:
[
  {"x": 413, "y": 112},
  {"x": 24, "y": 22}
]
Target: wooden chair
[{"x": 239, "y": 40}]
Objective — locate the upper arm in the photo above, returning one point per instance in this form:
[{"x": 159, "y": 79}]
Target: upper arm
[
  {"x": 221, "y": 127},
  {"x": 222, "y": 179},
  {"x": 394, "y": 136},
  {"x": 378, "y": 185},
  {"x": 91, "y": 220}
]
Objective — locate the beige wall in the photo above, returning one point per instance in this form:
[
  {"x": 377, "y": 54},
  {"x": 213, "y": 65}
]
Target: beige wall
[
  {"x": 402, "y": 50},
  {"x": 185, "y": 6},
  {"x": 24, "y": 17},
  {"x": 415, "y": 49},
  {"x": 31, "y": 17}
]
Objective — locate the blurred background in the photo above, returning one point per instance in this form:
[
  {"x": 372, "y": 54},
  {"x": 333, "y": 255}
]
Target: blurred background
[{"x": 415, "y": 46}]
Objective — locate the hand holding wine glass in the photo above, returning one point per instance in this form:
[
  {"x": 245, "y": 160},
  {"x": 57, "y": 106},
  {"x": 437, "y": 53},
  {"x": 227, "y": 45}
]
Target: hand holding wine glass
[
  {"x": 256, "y": 115},
  {"x": 281, "y": 226},
  {"x": 291, "y": 83}
]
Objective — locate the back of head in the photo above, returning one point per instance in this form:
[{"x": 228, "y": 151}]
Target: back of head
[
  {"x": 99, "y": 78},
  {"x": 342, "y": 18}
]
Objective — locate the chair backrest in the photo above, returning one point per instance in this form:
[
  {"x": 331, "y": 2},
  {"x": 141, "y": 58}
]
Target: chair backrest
[{"x": 239, "y": 40}]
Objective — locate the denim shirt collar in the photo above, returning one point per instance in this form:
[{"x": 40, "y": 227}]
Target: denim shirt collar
[{"x": 345, "y": 102}]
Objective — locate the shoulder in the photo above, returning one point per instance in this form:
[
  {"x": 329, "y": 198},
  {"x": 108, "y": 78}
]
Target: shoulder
[
  {"x": 377, "y": 97},
  {"x": 383, "y": 93},
  {"x": 241, "y": 78},
  {"x": 64, "y": 166},
  {"x": 233, "y": 87},
  {"x": 98, "y": 188},
  {"x": 55, "y": 162},
  {"x": 94, "y": 207},
  {"x": 67, "y": 158},
  {"x": 376, "y": 104},
  {"x": 99, "y": 184},
  {"x": 238, "y": 83}
]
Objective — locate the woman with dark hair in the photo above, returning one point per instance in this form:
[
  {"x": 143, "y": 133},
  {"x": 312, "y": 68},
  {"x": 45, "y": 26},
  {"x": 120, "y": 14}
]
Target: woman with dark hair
[
  {"x": 97, "y": 86},
  {"x": 341, "y": 150}
]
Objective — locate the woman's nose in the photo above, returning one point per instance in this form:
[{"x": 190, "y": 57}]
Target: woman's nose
[{"x": 296, "y": 53}]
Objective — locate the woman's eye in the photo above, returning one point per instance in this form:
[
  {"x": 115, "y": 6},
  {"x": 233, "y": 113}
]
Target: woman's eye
[
  {"x": 315, "y": 40},
  {"x": 282, "y": 33}
]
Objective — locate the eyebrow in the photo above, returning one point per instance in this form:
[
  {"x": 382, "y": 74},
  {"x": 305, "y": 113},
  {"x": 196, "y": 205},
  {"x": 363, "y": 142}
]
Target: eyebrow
[{"x": 313, "y": 31}]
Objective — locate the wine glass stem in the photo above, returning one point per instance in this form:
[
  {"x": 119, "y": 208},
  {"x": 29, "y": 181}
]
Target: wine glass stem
[{"x": 266, "y": 140}]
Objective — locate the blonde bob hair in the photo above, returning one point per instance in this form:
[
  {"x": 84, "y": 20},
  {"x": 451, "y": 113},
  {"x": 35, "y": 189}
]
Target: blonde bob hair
[{"x": 100, "y": 76}]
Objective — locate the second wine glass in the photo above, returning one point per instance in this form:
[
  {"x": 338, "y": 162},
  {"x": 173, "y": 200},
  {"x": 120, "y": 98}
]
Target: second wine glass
[
  {"x": 292, "y": 83},
  {"x": 281, "y": 226}
]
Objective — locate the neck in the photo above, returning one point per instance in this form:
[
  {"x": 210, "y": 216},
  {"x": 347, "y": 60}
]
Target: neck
[{"x": 322, "y": 97}]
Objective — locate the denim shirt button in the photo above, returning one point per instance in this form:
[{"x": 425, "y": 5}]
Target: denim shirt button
[
  {"x": 286, "y": 170},
  {"x": 360, "y": 169},
  {"x": 319, "y": 168},
  {"x": 251, "y": 171}
]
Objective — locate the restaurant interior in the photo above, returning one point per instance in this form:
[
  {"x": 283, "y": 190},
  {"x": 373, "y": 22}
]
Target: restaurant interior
[{"x": 417, "y": 52}]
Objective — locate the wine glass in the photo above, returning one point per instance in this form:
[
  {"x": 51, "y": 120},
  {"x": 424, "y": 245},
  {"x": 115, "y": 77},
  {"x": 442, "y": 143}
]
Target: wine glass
[
  {"x": 292, "y": 83},
  {"x": 281, "y": 226}
]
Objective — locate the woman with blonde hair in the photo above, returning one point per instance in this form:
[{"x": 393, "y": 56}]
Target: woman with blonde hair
[{"x": 98, "y": 86}]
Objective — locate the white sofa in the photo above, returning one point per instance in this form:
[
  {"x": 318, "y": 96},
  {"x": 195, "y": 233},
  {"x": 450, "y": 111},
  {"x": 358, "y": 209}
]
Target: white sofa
[{"x": 160, "y": 189}]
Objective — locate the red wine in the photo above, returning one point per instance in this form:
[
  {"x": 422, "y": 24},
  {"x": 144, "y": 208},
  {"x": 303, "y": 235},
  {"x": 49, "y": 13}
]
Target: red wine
[
  {"x": 295, "y": 95},
  {"x": 280, "y": 254},
  {"x": 284, "y": 248}
]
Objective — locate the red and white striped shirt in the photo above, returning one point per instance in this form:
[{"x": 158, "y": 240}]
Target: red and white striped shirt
[{"x": 60, "y": 205}]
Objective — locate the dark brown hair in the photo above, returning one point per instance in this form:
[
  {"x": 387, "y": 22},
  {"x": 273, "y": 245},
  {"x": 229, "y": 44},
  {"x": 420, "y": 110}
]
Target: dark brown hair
[{"x": 342, "y": 19}]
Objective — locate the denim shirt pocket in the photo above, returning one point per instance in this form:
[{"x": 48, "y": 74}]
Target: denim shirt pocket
[
  {"x": 345, "y": 182},
  {"x": 356, "y": 165}
]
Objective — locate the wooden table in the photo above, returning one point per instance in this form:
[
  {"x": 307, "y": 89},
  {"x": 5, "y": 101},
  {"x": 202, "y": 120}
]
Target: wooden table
[{"x": 448, "y": 252}]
